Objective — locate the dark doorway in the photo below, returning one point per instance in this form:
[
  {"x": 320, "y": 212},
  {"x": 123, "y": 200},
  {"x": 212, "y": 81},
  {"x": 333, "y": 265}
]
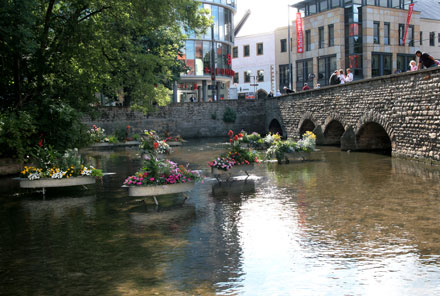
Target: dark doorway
[{"x": 372, "y": 137}]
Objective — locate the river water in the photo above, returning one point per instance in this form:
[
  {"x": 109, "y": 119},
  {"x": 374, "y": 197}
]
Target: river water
[{"x": 337, "y": 224}]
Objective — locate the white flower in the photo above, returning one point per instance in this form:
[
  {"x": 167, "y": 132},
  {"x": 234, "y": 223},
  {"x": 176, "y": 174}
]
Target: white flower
[
  {"x": 34, "y": 176},
  {"x": 58, "y": 175}
]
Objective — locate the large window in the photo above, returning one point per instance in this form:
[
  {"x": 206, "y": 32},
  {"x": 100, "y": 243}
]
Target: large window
[
  {"x": 303, "y": 69},
  {"x": 308, "y": 40},
  {"x": 403, "y": 62},
  {"x": 260, "y": 49},
  {"x": 432, "y": 39},
  {"x": 376, "y": 28},
  {"x": 284, "y": 76},
  {"x": 401, "y": 33},
  {"x": 335, "y": 3},
  {"x": 386, "y": 33},
  {"x": 236, "y": 78},
  {"x": 246, "y": 50},
  {"x": 381, "y": 64},
  {"x": 235, "y": 52},
  {"x": 331, "y": 35},
  {"x": 247, "y": 77},
  {"x": 323, "y": 5},
  {"x": 283, "y": 43},
  {"x": 326, "y": 66},
  {"x": 321, "y": 37},
  {"x": 260, "y": 75},
  {"x": 410, "y": 35}
]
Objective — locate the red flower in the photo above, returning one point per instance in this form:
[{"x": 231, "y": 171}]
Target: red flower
[
  {"x": 230, "y": 140},
  {"x": 236, "y": 138},
  {"x": 240, "y": 135},
  {"x": 128, "y": 127},
  {"x": 94, "y": 126},
  {"x": 40, "y": 143},
  {"x": 230, "y": 133},
  {"x": 156, "y": 145}
]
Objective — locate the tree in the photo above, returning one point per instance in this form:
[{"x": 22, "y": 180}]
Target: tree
[{"x": 55, "y": 56}]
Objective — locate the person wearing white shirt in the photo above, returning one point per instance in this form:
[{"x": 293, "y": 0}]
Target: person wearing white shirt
[
  {"x": 349, "y": 77},
  {"x": 342, "y": 76}
]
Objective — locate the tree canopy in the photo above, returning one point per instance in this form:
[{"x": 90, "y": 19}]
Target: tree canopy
[{"x": 56, "y": 56}]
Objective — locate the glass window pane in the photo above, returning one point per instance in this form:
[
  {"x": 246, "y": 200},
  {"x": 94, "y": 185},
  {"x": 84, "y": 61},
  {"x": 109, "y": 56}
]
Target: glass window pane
[
  {"x": 375, "y": 65},
  {"x": 214, "y": 13},
  {"x": 221, "y": 23},
  {"x": 335, "y": 3},
  {"x": 323, "y": 5},
  {"x": 387, "y": 64}
]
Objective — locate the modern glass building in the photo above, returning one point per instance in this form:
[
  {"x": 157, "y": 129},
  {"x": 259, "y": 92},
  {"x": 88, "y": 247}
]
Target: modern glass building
[{"x": 208, "y": 57}]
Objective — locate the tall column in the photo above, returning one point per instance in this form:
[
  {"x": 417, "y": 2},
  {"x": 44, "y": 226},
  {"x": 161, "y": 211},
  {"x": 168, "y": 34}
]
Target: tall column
[
  {"x": 205, "y": 91},
  {"x": 175, "y": 92}
]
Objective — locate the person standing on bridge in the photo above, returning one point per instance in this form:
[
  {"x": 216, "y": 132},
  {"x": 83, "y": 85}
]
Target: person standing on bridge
[
  {"x": 334, "y": 78},
  {"x": 306, "y": 87},
  {"x": 425, "y": 60},
  {"x": 349, "y": 77}
]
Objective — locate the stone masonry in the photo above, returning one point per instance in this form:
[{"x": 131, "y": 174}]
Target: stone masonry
[{"x": 400, "y": 112}]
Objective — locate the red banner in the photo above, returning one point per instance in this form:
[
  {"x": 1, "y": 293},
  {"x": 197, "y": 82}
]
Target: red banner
[
  {"x": 299, "y": 33},
  {"x": 410, "y": 10}
]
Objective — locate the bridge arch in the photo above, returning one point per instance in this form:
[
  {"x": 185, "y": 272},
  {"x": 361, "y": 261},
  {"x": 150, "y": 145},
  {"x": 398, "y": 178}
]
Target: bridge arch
[
  {"x": 373, "y": 133},
  {"x": 333, "y": 132},
  {"x": 275, "y": 127},
  {"x": 307, "y": 123}
]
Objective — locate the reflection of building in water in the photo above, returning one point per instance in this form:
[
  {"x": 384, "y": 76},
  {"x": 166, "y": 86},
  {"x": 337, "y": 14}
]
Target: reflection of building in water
[{"x": 60, "y": 207}]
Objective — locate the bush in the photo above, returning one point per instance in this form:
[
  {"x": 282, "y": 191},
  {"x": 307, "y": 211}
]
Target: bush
[{"x": 229, "y": 115}]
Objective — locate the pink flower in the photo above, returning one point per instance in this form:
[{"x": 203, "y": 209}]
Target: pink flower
[{"x": 151, "y": 179}]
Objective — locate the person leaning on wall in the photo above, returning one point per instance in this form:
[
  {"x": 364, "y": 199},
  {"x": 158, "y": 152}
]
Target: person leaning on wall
[{"x": 425, "y": 60}]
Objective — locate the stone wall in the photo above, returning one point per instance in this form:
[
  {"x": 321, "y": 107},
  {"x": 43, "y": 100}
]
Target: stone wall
[
  {"x": 190, "y": 120},
  {"x": 406, "y": 106}
]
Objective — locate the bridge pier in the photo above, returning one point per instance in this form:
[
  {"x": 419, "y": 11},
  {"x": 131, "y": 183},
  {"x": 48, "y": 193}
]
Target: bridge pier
[{"x": 348, "y": 140}]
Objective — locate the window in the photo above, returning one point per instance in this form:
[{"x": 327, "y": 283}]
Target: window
[
  {"x": 381, "y": 64},
  {"x": 382, "y": 3},
  {"x": 260, "y": 76},
  {"x": 308, "y": 40},
  {"x": 403, "y": 61},
  {"x": 312, "y": 8},
  {"x": 326, "y": 66},
  {"x": 431, "y": 39},
  {"x": 323, "y": 5},
  {"x": 370, "y": 2},
  {"x": 283, "y": 45},
  {"x": 411, "y": 35},
  {"x": 246, "y": 52},
  {"x": 303, "y": 69},
  {"x": 335, "y": 3},
  {"x": 236, "y": 78},
  {"x": 259, "y": 48},
  {"x": 331, "y": 35},
  {"x": 401, "y": 33},
  {"x": 421, "y": 38},
  {"x": 321, "y": 37},
  {"x": 284, "y": 76},
  {"x": 438, "y": 38},
  {"x": 376, "y": 32},
  {"x": 247, "y": 77},
  {"x": 235, "y": 52},
  {"x": 386, "y": 33}
]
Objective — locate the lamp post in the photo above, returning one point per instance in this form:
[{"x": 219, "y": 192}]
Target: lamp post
[{"x": 289, "y": 46}]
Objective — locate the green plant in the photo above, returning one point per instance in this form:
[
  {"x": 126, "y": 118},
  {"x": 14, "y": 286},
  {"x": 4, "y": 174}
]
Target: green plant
[
  {"x": 136, "y": 137},
  {"x": 214, "y": 116},
  {"x": 112, "y": 140},
  {"x": 97, "y": 173},
  {"x": 229, "y": 115}
]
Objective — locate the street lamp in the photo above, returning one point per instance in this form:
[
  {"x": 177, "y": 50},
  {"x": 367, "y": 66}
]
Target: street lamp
[{"x": 290, "y": 46}]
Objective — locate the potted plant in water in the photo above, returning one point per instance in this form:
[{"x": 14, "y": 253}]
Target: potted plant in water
[
  {"x": 151, "y": 144},
  {"x": 280, "y": 149},
  {"x": 54, "y": 169}
]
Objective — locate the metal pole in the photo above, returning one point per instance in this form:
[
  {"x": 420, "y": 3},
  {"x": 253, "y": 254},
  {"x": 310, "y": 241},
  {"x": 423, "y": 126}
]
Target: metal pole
[
  {"x": 288, "y": 40},
  {"x": 214, "y": 82}
]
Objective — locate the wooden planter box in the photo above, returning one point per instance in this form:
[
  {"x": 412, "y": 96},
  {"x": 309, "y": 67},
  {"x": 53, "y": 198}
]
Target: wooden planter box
[
  {"x": 155, "y": 190},
  {"x": 64, "y": 182}
]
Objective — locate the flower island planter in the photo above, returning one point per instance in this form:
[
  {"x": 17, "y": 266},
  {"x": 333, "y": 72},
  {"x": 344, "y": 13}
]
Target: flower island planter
[
  {"x": 174, "y": 143},
  {"x": 99, "y": 146},
  {"x": 44, "y": 183},
  {"x": 157, "y": 190}
]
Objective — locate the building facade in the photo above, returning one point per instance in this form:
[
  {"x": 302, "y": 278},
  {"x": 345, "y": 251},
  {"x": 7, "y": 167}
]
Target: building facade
[
  {"x": 364, "y": 35},
  {"x": 208, "y": 57},
  {"x": 253, "y": 61}
]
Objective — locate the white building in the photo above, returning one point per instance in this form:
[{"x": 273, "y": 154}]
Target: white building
[{"x": 253, "y": 61}]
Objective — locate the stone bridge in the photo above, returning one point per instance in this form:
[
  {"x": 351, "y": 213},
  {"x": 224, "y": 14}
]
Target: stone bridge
[{"x": 398, "y": 114}]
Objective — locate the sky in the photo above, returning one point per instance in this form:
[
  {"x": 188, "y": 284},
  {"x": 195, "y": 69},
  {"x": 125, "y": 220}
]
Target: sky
[{"x": 266, "y": 15}]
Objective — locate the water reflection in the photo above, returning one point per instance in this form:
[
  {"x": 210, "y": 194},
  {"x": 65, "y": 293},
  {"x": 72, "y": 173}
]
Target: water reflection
[{"x": 338, "y": 224}]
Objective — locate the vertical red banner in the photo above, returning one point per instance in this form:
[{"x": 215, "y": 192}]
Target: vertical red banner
[
  {"x": 410, "y": 10},
  {"x": 299, "y": 33}
]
